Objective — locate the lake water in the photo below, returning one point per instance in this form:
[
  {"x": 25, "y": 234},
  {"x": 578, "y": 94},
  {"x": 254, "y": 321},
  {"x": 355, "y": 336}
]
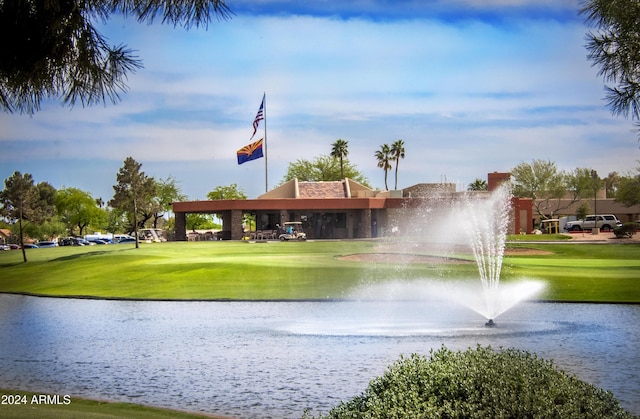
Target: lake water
[{"x": 275, "y": 359}]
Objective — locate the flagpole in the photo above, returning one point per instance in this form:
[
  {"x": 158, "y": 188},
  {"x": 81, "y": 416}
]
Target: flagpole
[{"x": 264, "y": 146}]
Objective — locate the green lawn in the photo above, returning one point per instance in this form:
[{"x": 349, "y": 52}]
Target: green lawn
[
  {"x": 30, "y": 407},
  {"x": 300, "y": 270},
  {"x": 538, "y": 238},
  {"x": 582, "y": 272}
]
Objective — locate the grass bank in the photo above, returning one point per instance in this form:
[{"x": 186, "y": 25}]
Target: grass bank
[
  {"x": 27, "y": 405},
  {"x": 305, "y": 270}
]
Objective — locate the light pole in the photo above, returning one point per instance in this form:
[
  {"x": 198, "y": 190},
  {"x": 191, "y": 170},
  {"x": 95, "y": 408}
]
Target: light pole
[{"x": 594, "y": 177}]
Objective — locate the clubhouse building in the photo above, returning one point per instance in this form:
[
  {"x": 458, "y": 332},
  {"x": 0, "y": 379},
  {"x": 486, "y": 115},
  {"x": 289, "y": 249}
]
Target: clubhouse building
[{"x": 345, "y": 209}]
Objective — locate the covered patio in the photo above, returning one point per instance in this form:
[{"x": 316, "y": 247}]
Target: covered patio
[{"x": 321, "y": 218}]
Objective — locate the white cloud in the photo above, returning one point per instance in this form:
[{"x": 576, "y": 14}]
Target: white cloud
[{"x": 468, "y": 97}]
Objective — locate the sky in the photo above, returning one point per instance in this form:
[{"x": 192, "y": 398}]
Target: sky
[{"x": 471, "y": 86}]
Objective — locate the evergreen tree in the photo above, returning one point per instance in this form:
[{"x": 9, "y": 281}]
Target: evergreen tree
[
  {"x": 134, "y": 193},
  {"x": 52, "y": 49},
  {"x": 614, "y": 47}
]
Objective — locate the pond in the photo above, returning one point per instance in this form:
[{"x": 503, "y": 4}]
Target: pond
[{"x": 276, "y": 359}]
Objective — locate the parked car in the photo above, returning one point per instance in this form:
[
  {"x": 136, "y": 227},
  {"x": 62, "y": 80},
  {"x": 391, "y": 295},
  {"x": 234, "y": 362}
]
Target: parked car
[
  {"x": 47, "y": 243},
  {"x": 74, "y": 241},
  {"x": 30, "y": 246},
  {"x": 606, "y": 222},
  {"x": 128, "y": 239},
  {"x": 4, "y": 247}
]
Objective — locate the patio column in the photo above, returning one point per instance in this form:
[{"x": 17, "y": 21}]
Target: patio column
[
  {"x": 236, "y": 225},
  {"x": 366, "y": 224},
  {"x": 226, "y": 225},
  {"x": 180, "y": 228}
]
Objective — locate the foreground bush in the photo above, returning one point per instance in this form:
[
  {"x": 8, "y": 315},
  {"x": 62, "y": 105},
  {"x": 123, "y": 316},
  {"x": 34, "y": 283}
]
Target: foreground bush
[
  {"x": 479, "y": 383},
  {"x": 626, "y": 230}
]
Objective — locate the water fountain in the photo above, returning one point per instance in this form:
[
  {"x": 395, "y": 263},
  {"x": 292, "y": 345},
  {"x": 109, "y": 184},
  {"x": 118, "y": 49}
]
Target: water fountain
[
  {"x": 487, "y": 230},
  {"x": 486, "y": 222},
  {"x": 475, "y": 221}
]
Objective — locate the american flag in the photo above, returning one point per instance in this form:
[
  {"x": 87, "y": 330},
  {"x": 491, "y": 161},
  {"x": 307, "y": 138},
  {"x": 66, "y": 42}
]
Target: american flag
[{"x": 259, "y": 117}]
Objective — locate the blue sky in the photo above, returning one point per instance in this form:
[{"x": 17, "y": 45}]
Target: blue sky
[{"x": 471, "y": 86}]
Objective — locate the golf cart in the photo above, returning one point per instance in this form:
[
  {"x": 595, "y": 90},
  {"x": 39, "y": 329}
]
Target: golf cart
[{"x": 292, "y": 231}]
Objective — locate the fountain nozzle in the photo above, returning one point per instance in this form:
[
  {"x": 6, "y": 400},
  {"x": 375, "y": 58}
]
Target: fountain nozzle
[{"x": 490, "y": 323}]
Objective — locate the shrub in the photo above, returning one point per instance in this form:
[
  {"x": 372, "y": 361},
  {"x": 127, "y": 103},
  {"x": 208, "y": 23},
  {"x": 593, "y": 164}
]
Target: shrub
[
  {"x": 479, "y": 383},
  {"x": 626, "y": 230}
]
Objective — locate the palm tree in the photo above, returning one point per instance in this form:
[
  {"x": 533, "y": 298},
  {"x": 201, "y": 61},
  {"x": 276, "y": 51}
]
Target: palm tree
[
  {"x": 477, "y": 185},
  {"x": 56, "y": 50},
  {"x": 384, "y": 161},
  {"x": 340, "y": 150},
  {"x": 397, "y": 153}
]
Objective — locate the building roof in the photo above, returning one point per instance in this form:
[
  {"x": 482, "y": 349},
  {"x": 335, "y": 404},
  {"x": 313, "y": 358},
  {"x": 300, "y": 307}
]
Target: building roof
[
  {"x": 429, "y": 190},
  {"x": 333, "y": 189},
  {"x": 346, "y": 188}
]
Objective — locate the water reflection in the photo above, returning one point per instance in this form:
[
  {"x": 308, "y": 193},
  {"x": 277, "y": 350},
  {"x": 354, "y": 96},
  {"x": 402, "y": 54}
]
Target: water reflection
[{"x": 262, "y": 360}]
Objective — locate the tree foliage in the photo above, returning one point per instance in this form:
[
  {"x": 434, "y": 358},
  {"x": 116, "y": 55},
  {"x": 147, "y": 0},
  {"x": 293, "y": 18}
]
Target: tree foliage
[
  {"x": 614, "y": 47},
  {"x": 582, "y": 211},
  {"x": 478, "y": 185},
  {"x": 582, "y": 183},
  {"x": 480, "y": 383},
  {"x": 52, "y": 49},
  {"x": 167, "y": 192},
  {"x": 611, "y": 183},
  {"x": 77, "y": 208},
  {"x": 552, "y": 190},
  {"x": 201, "y": 222},
  {"x": 22, "y": 201},
  {"x": 134, "y": 194},
  {"x": 629, "y": 190},
  {"x": 227, "y": 192},
  {"x": 323, "y": 168}
]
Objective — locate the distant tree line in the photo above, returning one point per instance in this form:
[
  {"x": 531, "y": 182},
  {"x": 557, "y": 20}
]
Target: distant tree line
[
  {"x": 39, "y": 211},
  {"x": 554, "y": 190}
]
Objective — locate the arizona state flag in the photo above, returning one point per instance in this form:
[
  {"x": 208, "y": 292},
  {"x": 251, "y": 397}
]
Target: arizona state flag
[{"x": 250, "y": 152}]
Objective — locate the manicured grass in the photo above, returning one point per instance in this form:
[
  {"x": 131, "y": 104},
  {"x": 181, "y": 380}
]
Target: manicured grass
[
  {"x": 300, "y": 270},
  {"x": 582, "y": 272},
  {"x": 538, "y": 237},
  {"x": 34, "y": 408}
]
